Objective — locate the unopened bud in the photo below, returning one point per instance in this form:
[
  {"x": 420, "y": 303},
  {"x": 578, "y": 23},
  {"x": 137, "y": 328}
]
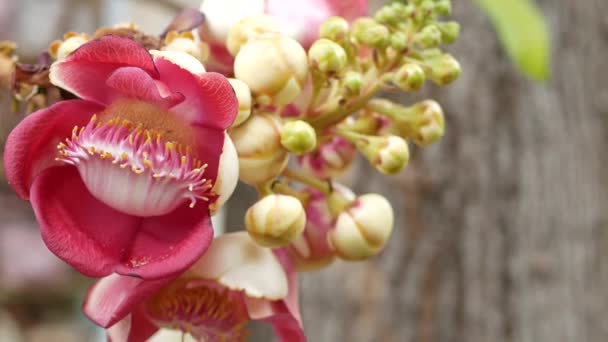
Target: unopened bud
[
  {"x": 449, "y": 31},
  {"x": 368, "y": 32},
  {"x": 398, "y": 41},
  {"x": 186, "y": 42},
  {"x": 388, "y": 154},
  {"x": 59, "y": 50},
  {"x": 387, "y": 15},
  {"x": 410, "y": 77},
  {"x": 363, "y": 229},
  {"x": 258, "y": 145},
  {"x": 249, "y": 28},
  {"x": 430, "y": 124},
  {"x": 273, "y": 66},
  {"x": 429, "y": 37},
  {"x": 445, "y": 69},
  {"x": 327, "y": 56},
  {"x": 330, "y": 159},
  {"x": 443, "y": 8},
  {"x": 352, "y": 82},
  {"x": 243, "y": 95},
  {"x": 298, "y": 137},
  {"x": 334, "y": 28},
  {"x": 275, "y": 220}
]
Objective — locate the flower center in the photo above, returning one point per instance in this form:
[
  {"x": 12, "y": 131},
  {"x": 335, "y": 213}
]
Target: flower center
[
  {"x": 134, "y": 169},
  {"x": 208, "y": 312}
]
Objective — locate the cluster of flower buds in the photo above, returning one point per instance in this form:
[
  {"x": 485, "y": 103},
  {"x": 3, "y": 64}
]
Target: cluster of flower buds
[{"x": 225, "y": 93}]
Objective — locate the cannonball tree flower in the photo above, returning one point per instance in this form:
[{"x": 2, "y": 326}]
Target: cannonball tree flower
[
  {"x": 298, "y": 19},
  {"x": 234, "y": 282},
  {"x": 123, "y": 179}
]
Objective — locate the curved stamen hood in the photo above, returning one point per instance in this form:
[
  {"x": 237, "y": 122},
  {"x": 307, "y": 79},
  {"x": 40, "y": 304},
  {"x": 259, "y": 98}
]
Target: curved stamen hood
[{"x": 133, "y": 169}]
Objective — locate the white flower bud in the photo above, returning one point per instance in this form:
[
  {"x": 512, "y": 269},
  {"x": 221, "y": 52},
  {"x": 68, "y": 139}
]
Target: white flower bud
[
  {"x": 363, "y": 229},
  {"x": 186, "y": 42},
  {"x": 274, "y": 66},
  {"x": 258, "y": 145},
  {"x": 249, "y": 28},
  {"x": 388, "y": 154},
  {"x": 71, "y": 41},
  {"x": 222, "y": 15},
  {"x": 243, "y": 95},
  {"x": 275, "y": 220}
]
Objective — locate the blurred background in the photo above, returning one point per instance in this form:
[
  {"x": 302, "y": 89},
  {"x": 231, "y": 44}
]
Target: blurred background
[{"x": 502, "y": 226}]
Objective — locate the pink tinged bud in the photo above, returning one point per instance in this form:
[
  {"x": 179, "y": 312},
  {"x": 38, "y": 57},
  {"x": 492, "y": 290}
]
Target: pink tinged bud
[
  {"x": 363, "y": 229},
  {"x": 275, "y": 220},
  {"x": 258, "y": 145},
  {"x": 330, "y": 159}
]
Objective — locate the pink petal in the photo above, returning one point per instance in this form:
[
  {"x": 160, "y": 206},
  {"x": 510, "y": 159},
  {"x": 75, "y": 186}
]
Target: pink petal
[
  {"x": 86, "y": 70},
  {"x": 168, "y": 245},
  {"x": 31, "y": 146},
  {"x": 209, "y": 148},
  {"x": 134, "y": 83},
  {"x": 210, "y": 100},
  {"x": 134, "y": 328},
  {"x": 112, "y": 298},
  {"x": 292, "y": 299},
  {"x": 78, "y": 228}
]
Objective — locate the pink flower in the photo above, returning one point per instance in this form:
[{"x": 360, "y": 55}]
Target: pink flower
[
  {"x": 234, "y": 282},
  {"x": 122, "y": 179},
  {"x": 298, "y": 19}
]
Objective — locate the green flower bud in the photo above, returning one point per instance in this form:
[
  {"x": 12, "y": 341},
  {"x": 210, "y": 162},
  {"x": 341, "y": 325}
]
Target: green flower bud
[
  {"x": 429, "y": 37},
  {"x": 387, "y": 15},
  {"x": 388, "y": 154},
  {"x": 449, "y": 31},
  {"x": 367, "y": 31},
  {"x": 298, "y": 137},
  {"x": 327, "y": 56},
  {"x": 334, "y": 28},
  {"x": 443, "y": 8},
  {"x": 410, "y": 77},
  {"x": 352, "y": 83},
  {"x": 398, "y": 41},
  {"x": 444, "y": 69}
]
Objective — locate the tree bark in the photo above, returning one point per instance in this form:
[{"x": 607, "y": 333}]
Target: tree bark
[{"x": 502, "y": 227}]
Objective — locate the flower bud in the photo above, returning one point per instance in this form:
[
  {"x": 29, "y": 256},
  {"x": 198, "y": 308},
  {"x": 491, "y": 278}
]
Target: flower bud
[
  {"x": 59, "y": 50},
  {"x": 248, "y": 28},
  {"x": 327, "y": 56},
  {"x": 7, "y": 63},
  {"x": 430, "y": 123},
  {"x": 368, "y": 32},
  {"x": 274, "y": 66},
  {"x": 444, "y": 69},
  {"x": 186, "y": 42},
  {"x": 429, "y": 37},
  {"x": 443, "y": 8},
  {"x": 388, "y": 154},
  {"x": 298, "y": 137},
  {"x": 449, "y": 31},
  {"x": 334, "y": 28},
  {"x": 410, "y": 77},
  {"x": 398, "y": 41},
  {"x": 258, "y": 145},
  {"x": 364, "y": 228},
  {"x": 352, "y": 82},
  {"x": 275, "y": 220},
  {"x": 330, "y": 159},
  {"x": 243, "y": 95}
]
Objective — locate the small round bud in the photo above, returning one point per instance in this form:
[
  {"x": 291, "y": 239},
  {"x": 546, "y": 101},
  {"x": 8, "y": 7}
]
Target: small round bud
[
  {"x": 274, "y": 66},
  {"x": 431, "y": 124},
  {"x": 330, "y": 160},
  {"x": 398, "y": 41},
  {"x": 249, "y": 28},
  {"x": 388, "y": 154},
  {"x": 59, "y": 50},
  {"x": 275, "y": 220},
  {"x": 186, "y": 42},
  {"x": 445, "y": 69},
  {"x": 298, "y": 137},
  {"x": 387, "y": 15},
  {"x": 368, "y": 32},
  {"x": 449, "y": 31},
  {"x": 243, "y": 95},
  {"x": 258, "y": 145},
  {"x": 364, "y": 228},
  {"x": 443, "y": 8},
  {"x": 429, "y": 37},
  {"x": 334, "y": 28},
  {"x": 352, "y": 83},
  {"x": 327, "y": 56},
  {"x": 410, "y": 77}
]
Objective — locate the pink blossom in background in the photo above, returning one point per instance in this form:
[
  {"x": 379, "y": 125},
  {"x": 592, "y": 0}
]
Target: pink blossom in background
[{"x": 123, "y": 179}]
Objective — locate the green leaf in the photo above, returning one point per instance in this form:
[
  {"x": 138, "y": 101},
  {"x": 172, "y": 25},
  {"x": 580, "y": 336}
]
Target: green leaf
[{"x": 523, "y": 32}]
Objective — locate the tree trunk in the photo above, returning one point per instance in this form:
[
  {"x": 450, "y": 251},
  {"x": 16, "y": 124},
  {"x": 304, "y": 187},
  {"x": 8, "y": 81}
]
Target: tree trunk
[{"x": 502, "y": 226}]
